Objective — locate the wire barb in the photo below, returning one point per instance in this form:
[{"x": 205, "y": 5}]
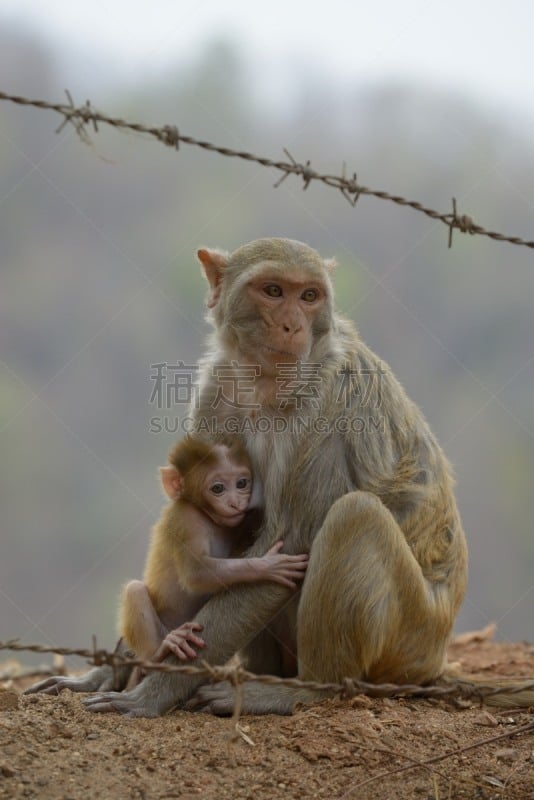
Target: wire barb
[
  {"x": 350, "y": 189},
  {"x": 79, "y": 117},
  {"x": 464, "y": 223},
  {"x": 170, "y": 136}
]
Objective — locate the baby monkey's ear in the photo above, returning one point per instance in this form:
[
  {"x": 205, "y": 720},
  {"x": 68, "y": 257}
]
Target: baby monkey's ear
[{"x": 172, "y": 482}]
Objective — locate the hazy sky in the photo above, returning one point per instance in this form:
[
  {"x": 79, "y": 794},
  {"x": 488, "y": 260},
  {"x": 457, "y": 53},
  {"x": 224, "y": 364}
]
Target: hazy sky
[{"x": 483, "y": 48}]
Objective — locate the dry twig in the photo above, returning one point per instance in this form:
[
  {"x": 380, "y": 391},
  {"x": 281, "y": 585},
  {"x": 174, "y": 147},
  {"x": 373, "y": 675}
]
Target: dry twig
[{"x": 459, "y": 751}]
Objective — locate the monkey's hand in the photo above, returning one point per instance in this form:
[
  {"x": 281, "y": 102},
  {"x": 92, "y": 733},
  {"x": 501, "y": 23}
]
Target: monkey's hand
[
  {"x": 99, "y": 679},
  {"x": 178, "y": 642},
  {"x": 280, "y": 567}
]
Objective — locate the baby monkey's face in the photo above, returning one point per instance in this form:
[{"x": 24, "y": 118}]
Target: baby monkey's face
[{"x": 227, "y": 490}]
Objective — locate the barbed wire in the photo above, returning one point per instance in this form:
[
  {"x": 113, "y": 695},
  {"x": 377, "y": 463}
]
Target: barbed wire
[
  {"x": 350, "y": 188},
  {"x": 237, "y": 675}
]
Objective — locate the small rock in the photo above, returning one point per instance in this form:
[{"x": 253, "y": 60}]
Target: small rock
[
  {"x": 361, "y": 701},
  {"x": 6, "y": 771},
  {"x": 93, "y": 736},
  {"x": 486, "y": 719},
  {"x": 506, "y": 754}
]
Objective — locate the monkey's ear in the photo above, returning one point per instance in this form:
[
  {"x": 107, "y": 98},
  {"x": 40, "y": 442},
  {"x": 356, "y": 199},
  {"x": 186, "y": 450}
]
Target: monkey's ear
[
  {"x": 330, "y": 265},
  {"x": 171, "y": 481},
  {"x": 214, "y": 263}
]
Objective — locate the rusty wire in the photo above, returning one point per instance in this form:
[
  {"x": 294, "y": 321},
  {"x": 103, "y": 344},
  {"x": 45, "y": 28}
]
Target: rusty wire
[
  {"x": 349, "y": 687},
  {"x": 350, "y": 188}
]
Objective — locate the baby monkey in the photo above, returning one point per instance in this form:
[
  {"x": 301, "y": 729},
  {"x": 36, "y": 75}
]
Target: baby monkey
[{"x": 209, "y": 484}]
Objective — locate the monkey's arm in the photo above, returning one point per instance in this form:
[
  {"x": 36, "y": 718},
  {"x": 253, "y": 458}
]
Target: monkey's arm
[{"x": 214, "y": 574}]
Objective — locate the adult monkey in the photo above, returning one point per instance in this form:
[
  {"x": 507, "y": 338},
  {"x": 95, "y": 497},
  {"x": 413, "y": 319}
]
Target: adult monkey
[{"x": 365, "y": 488}]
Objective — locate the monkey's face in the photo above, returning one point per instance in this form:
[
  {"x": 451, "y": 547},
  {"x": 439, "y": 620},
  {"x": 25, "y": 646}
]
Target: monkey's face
[
  {"x": 275, "y": 315},
  {"x": 271, "y": 301},
  {"x": 287, "y": 307},
  {"x": 226, "y": 491}
]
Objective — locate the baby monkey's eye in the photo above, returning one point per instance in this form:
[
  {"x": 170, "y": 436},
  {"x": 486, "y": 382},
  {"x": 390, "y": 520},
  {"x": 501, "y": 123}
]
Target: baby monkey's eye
[
  {"x": 310, "y": 295},
  {"x": 242, "y": 483},
  {"x": 217, "y": 488},
  {"x": 273, "y": 290}
]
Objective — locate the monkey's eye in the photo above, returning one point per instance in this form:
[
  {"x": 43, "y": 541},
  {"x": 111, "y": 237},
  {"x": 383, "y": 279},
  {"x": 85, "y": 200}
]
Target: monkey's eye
[
  {"x": 217, "y": 488},
  {"x": 242, "y": 483},
  {"x": 310, "y": 295},
  {"x": 273, "y": 290}
]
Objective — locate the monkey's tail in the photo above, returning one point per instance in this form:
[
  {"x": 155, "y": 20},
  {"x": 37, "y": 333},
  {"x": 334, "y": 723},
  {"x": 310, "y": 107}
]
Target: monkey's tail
[{"x": 499, "y": 693}]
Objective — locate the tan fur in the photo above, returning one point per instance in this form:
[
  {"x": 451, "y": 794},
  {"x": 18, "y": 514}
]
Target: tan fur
[
  {"x": 184, "y": 550},
  {"x": 365, "y": 488},
  {"x": 190, "y": 548}
]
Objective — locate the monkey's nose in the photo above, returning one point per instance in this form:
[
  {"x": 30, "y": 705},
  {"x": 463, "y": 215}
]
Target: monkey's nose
[{"x": 291, "y": 329}]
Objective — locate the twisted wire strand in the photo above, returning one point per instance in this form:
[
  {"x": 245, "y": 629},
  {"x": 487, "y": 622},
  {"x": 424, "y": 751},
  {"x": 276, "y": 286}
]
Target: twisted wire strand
[
  {"x": 349, "y": 687},
  {"x": 350, "y": 188}
]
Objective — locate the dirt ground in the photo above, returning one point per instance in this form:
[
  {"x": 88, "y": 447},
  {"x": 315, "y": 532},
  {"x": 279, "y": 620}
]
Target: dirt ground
[{"x": 52, "y": 749}]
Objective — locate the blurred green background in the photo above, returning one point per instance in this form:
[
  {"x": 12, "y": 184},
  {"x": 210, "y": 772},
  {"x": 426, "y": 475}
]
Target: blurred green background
[{"x": 99, "y": 282}]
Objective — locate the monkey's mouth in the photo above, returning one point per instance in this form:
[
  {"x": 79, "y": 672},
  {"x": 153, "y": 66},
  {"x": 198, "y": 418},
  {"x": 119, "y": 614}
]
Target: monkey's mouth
[
  {"x": 281, "y": 352},
  {"x": 234, "y": 518}
]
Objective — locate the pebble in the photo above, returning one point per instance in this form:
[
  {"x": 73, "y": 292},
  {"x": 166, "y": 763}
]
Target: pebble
[
  {"x": 6, "y": 771},
  {"x": 506, "y": 754}
]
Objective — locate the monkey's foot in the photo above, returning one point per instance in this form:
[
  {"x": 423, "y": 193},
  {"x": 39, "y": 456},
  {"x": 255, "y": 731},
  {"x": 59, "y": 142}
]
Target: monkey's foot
[
  {"x": 214, "y": 698},
  {"x": 100, "y": 679},
  {"x": 220, "y": 699},
  {"x": 128, "y": 703}
]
